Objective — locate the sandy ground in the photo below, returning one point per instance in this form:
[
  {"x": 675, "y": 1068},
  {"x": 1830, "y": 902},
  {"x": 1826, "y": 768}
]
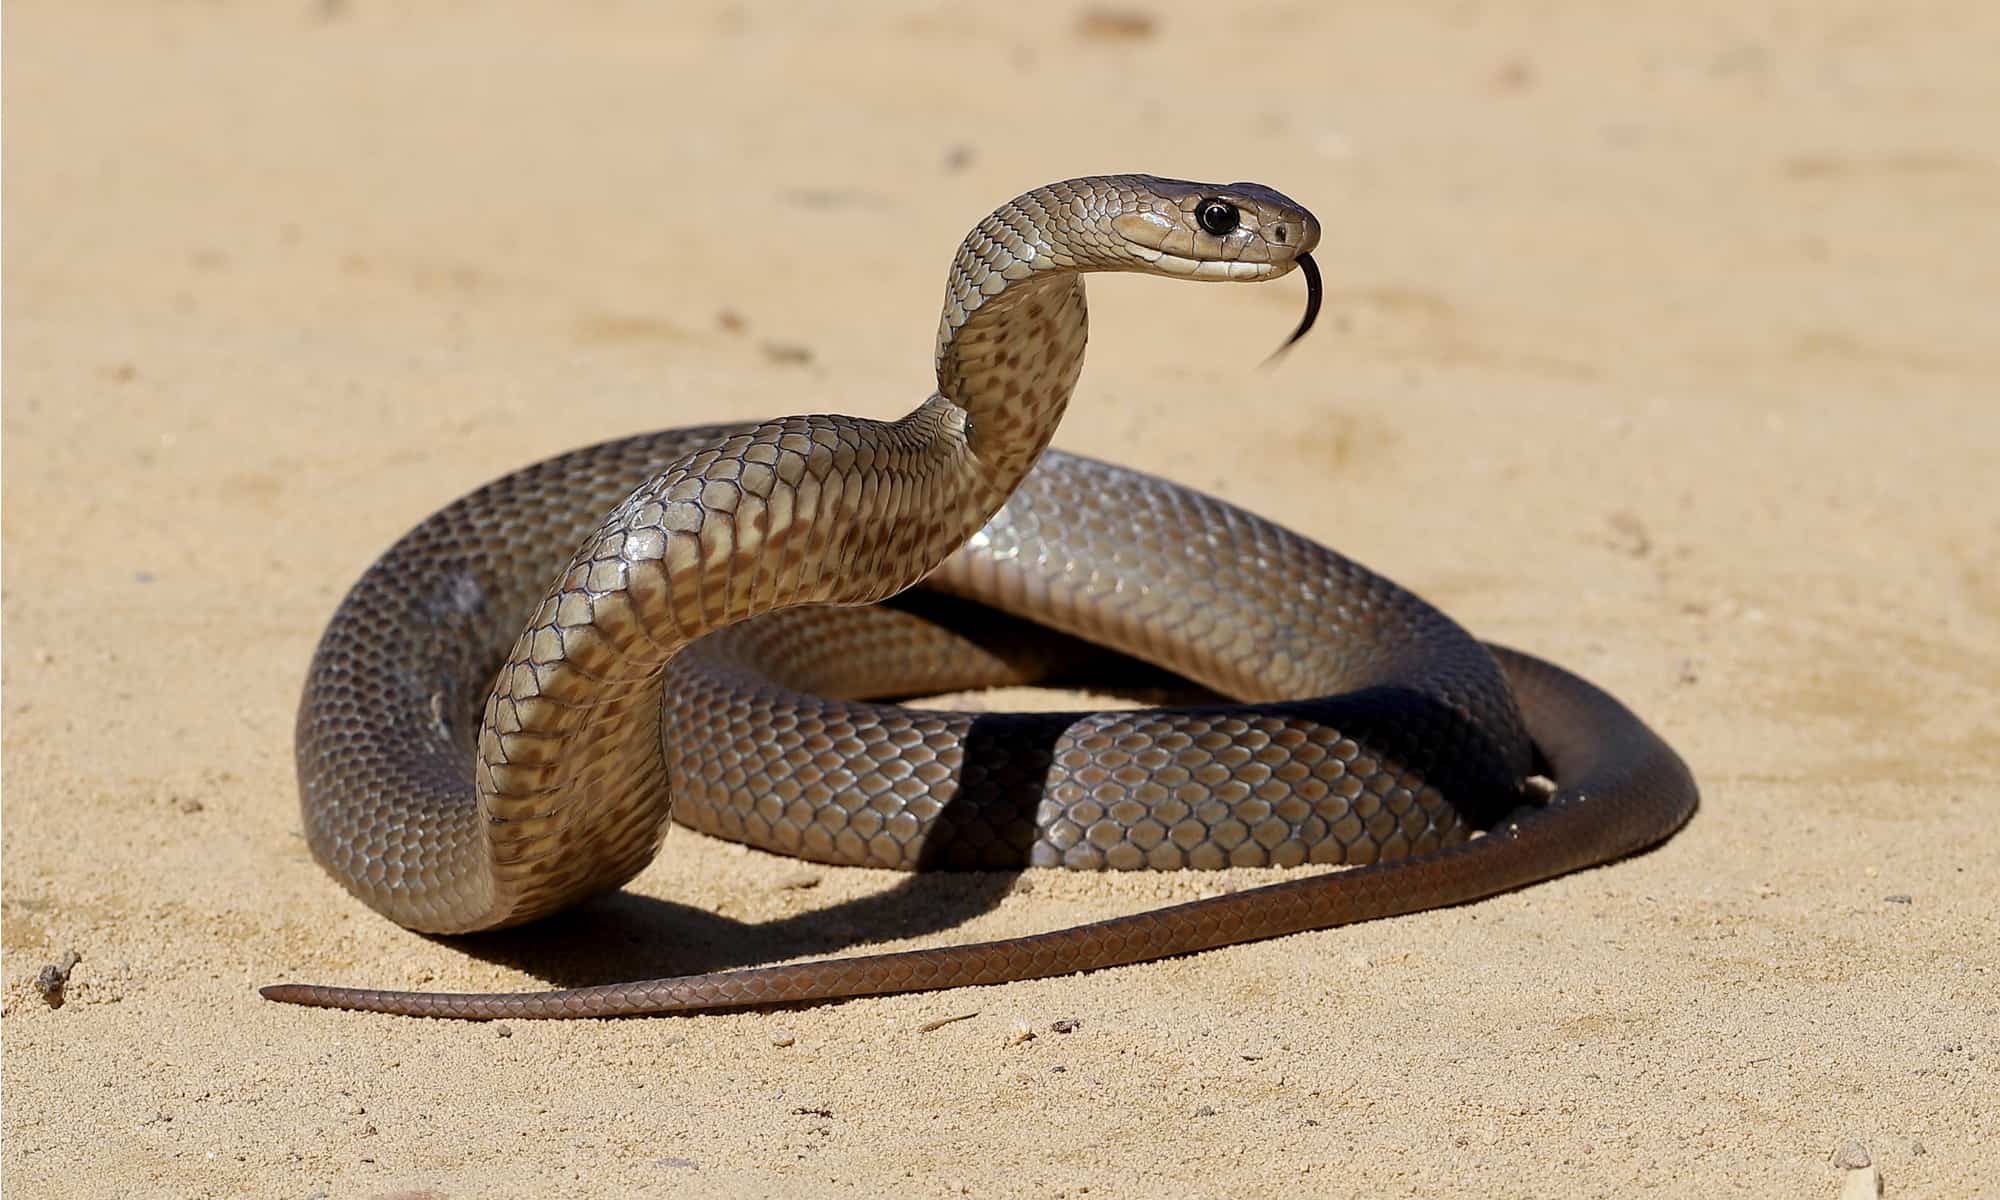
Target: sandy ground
[{"x": 1665, "y": 345}]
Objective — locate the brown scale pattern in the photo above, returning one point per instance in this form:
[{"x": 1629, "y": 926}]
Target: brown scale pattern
[{"x": 478, "y": 746}]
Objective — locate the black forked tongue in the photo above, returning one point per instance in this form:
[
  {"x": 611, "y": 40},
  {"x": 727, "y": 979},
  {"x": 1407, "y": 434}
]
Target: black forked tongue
[{"x": 1310, "y": 270}]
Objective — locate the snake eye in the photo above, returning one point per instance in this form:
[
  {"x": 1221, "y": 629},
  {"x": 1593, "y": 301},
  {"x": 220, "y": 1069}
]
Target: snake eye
[{"x": 1218, "y": 216}]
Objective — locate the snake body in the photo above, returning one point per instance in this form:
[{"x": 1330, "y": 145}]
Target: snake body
[{"x": 709, "y": 650}]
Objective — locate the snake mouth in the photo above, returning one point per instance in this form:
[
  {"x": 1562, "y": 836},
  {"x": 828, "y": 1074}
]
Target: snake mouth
[
  {"x": 1309, "y": 269},
  {"x": 1215, "y": 269},
  {"x": 1212, "y": 269}
]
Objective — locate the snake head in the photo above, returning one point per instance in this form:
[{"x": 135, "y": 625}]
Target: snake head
[
  {"x": 1218, "y": 231},
  {"x": 1174, "y": 228}
]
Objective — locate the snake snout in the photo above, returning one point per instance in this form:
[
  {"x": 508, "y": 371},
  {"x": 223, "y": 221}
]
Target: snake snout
[
  {"x": 1299, "y": 234},
  {"x": 1289, "y": 231}
]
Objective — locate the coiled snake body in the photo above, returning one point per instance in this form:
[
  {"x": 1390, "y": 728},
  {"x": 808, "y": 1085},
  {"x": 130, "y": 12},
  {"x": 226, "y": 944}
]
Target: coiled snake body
[{"x": 456, "y": 784}]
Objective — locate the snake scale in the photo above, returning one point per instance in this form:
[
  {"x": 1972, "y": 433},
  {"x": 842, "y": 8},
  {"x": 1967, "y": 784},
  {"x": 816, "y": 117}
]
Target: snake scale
[{"x": 488, "y": 735}]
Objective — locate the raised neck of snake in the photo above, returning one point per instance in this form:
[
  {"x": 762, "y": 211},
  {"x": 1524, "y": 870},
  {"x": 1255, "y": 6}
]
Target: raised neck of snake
[
  {"x": 1011, "y": 341},
  {"x": 1011, "y": 368}
]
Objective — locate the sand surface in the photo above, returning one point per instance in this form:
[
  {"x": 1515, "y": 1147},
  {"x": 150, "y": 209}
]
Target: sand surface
[{"x": 1663, "y": 343}]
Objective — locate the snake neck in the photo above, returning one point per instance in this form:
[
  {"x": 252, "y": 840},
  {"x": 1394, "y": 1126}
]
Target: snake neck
[
  {"x": 1010, "y": 365},
  {"x": 1011, "y": 339}
]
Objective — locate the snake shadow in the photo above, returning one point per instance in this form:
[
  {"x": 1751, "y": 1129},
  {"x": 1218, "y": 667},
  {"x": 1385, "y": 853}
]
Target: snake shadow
[{"x": 623, "y": 936}]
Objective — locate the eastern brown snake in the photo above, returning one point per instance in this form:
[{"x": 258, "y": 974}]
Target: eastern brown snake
[{"x": 479, "y": 746}]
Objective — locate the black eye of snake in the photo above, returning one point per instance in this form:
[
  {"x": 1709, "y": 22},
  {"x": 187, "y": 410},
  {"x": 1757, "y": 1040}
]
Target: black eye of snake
[{"x": 1218, "y": 216}]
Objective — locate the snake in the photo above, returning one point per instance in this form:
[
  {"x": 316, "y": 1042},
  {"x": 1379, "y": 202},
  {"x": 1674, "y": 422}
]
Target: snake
[{"x": 710, "y": 626}]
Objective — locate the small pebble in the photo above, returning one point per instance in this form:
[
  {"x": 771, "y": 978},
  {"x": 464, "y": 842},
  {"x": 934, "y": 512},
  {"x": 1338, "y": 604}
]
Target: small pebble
[
  {"x": 783, "y": 1037},
  {"x": 1204, "y": 1111},
  {"x": 1066, "y": 1025},
  {"x": 1022, "y": 1032},
  {"x": 504, "y": 1030},
  {"x": 53, "y": 977},
  {"x": 1898, "y": 898},
  {"x": 1851, "y": 1155}
]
